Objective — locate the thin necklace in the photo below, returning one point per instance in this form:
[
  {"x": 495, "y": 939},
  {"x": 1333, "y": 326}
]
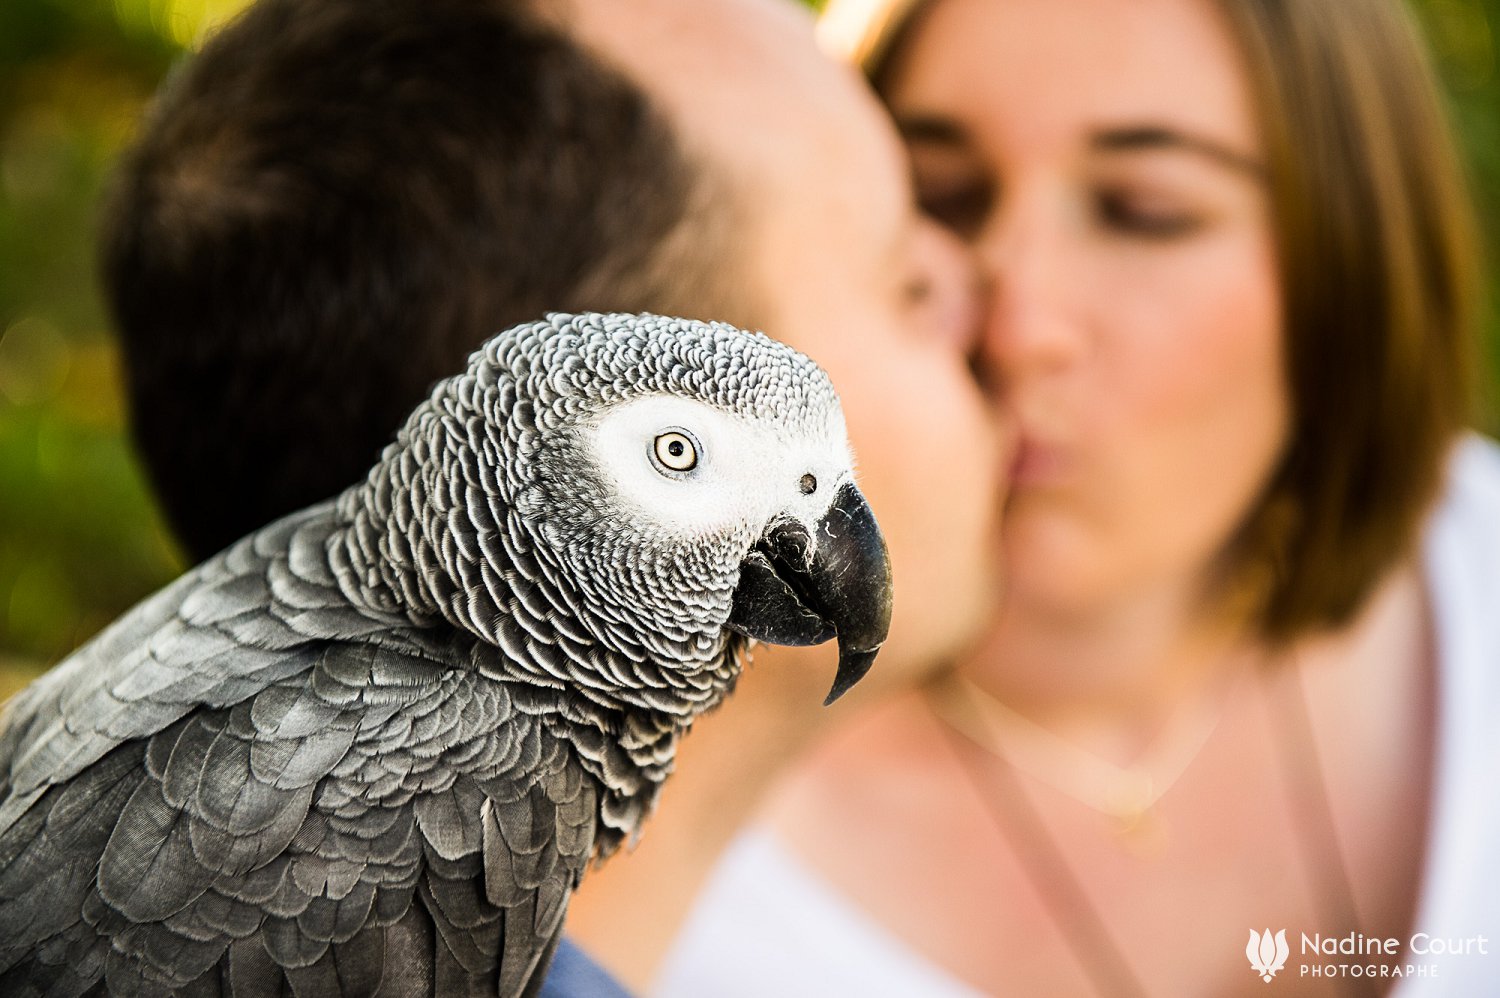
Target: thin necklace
[
  {"x": 1125, "y": 793},
  {"x": 1079, "y": 921}
]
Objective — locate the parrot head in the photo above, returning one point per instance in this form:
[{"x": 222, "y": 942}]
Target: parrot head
[{"x": 694, "y": 481}]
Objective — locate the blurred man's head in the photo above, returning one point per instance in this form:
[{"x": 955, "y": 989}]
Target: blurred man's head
[
  {"x": 832, "y": 257},
  {"x": 339, "y": 198}
]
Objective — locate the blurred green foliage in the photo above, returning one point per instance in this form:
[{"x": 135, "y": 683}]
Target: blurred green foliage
[
  {"x": 1465, "y": 38},
  {"x": 79, "y": 538}
]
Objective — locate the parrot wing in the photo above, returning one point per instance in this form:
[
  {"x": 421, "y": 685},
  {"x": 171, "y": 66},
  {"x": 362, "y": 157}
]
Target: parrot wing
[
  {"x": 257, "y": 613},
  {"x": 245, "y": 779}
]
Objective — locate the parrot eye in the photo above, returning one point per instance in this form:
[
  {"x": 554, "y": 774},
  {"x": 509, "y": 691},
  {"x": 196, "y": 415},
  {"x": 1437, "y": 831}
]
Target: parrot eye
[{"x": 675, "y": 451}]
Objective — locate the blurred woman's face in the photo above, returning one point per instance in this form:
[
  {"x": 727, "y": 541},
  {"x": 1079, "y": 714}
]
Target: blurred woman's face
[{"x": 1101, "y": 156}]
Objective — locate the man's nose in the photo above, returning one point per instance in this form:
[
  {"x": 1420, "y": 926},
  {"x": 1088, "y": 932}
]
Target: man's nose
[{"x": 1030, "y": 327}]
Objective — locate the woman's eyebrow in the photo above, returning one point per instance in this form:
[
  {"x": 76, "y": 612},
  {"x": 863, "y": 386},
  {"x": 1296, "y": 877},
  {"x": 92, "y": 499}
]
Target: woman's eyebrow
[
  {"x": 938, "y": 130},
  {"x": 1137, "y": 138}
]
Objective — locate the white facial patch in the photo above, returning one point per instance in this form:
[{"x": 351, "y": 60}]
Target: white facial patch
[{"x": 694, "y": 469}]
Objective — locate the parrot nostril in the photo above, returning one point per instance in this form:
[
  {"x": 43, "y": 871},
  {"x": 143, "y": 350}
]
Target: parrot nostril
[{"x": 809, "y": 485}]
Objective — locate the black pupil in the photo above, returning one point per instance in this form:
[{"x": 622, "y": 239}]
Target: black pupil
[
  {"x": 675, "y": 448},
  {"x": 809, "y": 485}
]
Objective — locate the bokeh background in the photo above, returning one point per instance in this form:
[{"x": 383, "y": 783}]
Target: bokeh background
[{"x": 79, "y": 537}]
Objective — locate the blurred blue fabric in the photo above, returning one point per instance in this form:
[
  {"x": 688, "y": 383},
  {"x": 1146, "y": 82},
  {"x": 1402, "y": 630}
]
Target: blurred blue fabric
[{"x": 574, "y": 975}]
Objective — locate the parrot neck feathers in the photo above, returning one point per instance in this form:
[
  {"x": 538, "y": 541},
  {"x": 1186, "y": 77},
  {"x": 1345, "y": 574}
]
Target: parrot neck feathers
[{"x": 404, "y": 549}]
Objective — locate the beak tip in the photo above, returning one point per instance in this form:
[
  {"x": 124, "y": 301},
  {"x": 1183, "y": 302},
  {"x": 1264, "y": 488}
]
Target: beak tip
[{"x": 853, "y": 665}]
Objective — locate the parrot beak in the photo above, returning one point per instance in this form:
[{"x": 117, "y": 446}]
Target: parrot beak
[{"x": 798, "y": 588}]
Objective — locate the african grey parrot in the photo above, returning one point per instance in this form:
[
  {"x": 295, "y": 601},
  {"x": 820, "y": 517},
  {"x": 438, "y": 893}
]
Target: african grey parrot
[{"x": 372, "y": 747}]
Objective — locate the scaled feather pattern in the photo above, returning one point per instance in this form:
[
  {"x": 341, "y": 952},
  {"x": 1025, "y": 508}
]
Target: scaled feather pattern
[{"x": 371, "y": 748}]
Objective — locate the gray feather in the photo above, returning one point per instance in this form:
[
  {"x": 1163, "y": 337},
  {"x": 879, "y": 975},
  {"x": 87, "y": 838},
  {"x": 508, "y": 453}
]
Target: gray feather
[{"x": 373, "y": 747}]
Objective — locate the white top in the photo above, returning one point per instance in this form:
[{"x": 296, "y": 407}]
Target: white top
[{"x": 766, "y": 925}]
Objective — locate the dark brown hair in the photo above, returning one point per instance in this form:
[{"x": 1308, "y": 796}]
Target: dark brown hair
[
  {"x": 1379, "y": 276},
  {"x": 336, "y": 201}
]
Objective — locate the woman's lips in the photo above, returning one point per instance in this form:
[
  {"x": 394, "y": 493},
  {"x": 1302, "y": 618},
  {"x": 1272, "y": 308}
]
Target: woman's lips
[{"x": 1037, "y": 464}]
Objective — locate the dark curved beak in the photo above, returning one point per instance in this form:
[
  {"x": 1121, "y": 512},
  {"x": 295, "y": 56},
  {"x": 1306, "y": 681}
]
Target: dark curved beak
[{"x": 798, "y": 588}]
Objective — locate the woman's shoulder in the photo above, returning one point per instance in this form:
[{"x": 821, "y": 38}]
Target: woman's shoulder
[
  {"x": 1472, "y": 491},
  {"x": 1461, "y": 565},
  {"x": 1461, "y": 543},
  {"x": 1461, "y": 556}
]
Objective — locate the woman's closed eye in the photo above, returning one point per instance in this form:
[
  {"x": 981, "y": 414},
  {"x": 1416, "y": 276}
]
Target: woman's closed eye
[{"x": 1145, "y": 216}]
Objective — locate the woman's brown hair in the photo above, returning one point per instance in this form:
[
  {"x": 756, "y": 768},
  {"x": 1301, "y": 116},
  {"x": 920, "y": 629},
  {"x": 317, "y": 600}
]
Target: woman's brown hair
[{"x": 1379, "y": 273}]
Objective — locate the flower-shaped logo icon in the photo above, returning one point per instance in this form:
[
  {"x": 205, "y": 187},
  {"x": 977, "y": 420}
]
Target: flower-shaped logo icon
[{"x": 1267, "y": 955}]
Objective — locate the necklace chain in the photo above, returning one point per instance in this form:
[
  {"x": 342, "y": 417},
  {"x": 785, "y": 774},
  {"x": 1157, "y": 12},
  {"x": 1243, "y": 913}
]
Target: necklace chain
[
  {"x": 1125, "y": 793},
  {"x": 1082, "y": 925},
  {"x": 1080, "y": 922}
]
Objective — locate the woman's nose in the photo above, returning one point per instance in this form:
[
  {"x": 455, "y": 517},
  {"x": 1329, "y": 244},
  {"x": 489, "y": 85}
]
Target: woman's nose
[{"x": 1030, "y": 327}]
